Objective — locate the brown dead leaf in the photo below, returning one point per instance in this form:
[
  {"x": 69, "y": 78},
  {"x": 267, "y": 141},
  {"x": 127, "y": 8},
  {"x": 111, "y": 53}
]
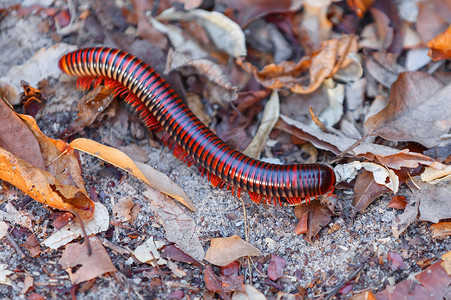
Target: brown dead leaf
[
  {"x": 320, "y": 65},
  {"x": 398, "y": 202},
  {"x": 174, "y": 253},
  {"x": 276, "y": 267},
  {"x": 383, "y": 67},
  {"x": 412, "y": 112},
  {"x": 178, "y": 225},
  {"x": 224, "y": 251},
  {"x": 431, "y": 283},
  {"x": 318, "y": 217},
  {"x": 366, "y": 190},
  {"x": 213, "y": 283},
  {"x": 92, "y": 266},
  {"x": 125, "y": 210},
  {"x": 142, "y": 171},
  {"x": 441, "y": 45},
  {"x": 32, "y": 245},
  {"x": 441, "y": 229},
  {"x": 446, "y": 264},
  {"x": 359, "y": 6},
  {"x": 27, "y": 284},
  {"x": 17, "y": 138}
]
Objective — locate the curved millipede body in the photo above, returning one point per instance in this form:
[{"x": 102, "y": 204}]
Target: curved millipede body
[{"x": 154, "y": 99}]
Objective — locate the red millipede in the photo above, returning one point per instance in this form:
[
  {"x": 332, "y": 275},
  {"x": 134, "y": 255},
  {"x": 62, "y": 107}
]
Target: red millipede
[{"x": 155, "y": 101}]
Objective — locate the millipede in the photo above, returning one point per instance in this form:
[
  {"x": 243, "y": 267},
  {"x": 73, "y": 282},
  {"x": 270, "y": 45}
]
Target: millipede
[{"x": 158, "y": 105}]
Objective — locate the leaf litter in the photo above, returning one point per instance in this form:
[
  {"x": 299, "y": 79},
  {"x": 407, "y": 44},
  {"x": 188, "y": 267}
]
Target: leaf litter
[{"x": 393, "y": 29}]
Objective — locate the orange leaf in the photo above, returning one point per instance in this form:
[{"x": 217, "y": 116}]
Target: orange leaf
[{"x": 441, "y": 45}]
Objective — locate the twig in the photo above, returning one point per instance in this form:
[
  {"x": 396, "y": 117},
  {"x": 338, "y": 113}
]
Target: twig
[{"x": 15, "y": 246}]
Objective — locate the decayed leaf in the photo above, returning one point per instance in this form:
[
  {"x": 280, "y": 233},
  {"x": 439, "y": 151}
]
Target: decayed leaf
[
  {"x": 418, "y": 110},
  {"x": 142, "y": 171},
  {"x": 224, "y": 251},
  {"x": 213, "y": 283},
  {"x": 27, "y": 284},
  {"x": 401, "y": 222},
  {"x": 92, "y": 266},
  {"x": 148, "y": 252},
  {"x": 441, "y": 229},
  {"x": 435, "y": 202},
  {"x": 179, "y": 226},
  {"x": 125, "y": 210},
  {"x": 366, "y": 190},
  {"x": 13, "y": 216},
  {"x": 4, "y": 273},
  {"x": 318, "y": 217},
  {"x": 276, "y": 267},
  {"x": 320, "y": 65},
  {"x": 269, "y": 119},
  {"x": 43, "y": 64},
  {"x": 225, "y": 34},
  {"x": 396, "y": 261},
  {"x": 441, "y": 45},
  {"x": 99, "y": 223},
  {"x": 431, "y": 283},
  {"x": 17, "y": 138},
  {"x": 250, "y": 293},
  {"x": 389, "y": 157}
]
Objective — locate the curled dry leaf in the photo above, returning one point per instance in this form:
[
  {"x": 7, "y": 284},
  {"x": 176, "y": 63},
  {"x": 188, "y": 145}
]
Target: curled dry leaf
[
  {"x": 59, "y": 185},
  {"x": 224, "y": 33},
  {"x": 387, "y": 156},
  {"x": 142, "y": 171},
  {"x": 318, "y": 217},
  {"x": 320, "y": 65},
  {"x": 418, "y": 110},
  {"x": 99, "y": 223},
  {"x": 43, "y": 64},
  {"x": 434, "y": 176},
  {"x": 441, "y": 45},
  {"x": 269, "y": 119},
  {"x": 125, "y": 210},
  {"x": 398, "y": 202},
  {"x": 366, "y": 190},
  {"x": 224, "y": 251},
  {"x": 179, "y": 226},
  {"x": 92, "y": 265}
]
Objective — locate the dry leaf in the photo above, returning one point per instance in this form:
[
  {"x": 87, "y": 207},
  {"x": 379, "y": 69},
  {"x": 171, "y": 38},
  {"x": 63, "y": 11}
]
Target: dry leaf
[
  {"x": 269, "y": 119},
  {"x": 224, "y": 33},
  {"x": 43, "y": 64},
  {"x": 389, "y": 157},
  {"x": 446, "y": 264},
  {"x": 224, "y": 251},
  {"x": 15, "y": 217},
  {"x": 3, "y": 229},
  {"x": 178, "y": 225},
  {"x": 17, "y": 138},
  {"x": 441, "y": 229},
  {"x": 441, "y": 45},
  {"x": 142, "y": 171},
  {"x": 27, "y": 284},
  {"x": 92, "y": 266},
  {"x": 276, "y": 267},
  {"x": 99, "y": 223},
  {"x": 125, "y": 210},
  {"x": 434, "y": 176},
  {"x": 418, "y": 110},
  {"x": 401, "y": 222},
  {"x": 320, "y": 65},
  {"x": 366, "y": 190},
  {"x": 4, "y": 273},
  {"x": 148, "y": 252},
  {"x": 435, "y": 202},
  {"x": 431, "y": 283},
  {"x": 398, "y": 202},
  {"x": 250, "y": 293},
  {"x": 318, "y": 217}
]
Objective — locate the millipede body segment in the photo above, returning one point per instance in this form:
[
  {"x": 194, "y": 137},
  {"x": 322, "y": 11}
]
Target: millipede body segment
[{"x": 156, "y": 101}]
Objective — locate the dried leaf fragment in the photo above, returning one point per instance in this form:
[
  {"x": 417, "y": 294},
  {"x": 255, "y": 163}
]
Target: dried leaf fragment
[
  {"x": 441, "y": 45},
  {"x": 224, "y": 251},
  {"x": 441, "y": 229},
  {"x": 148, "y": 252},
  {"x": 92, "y": 266}
]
